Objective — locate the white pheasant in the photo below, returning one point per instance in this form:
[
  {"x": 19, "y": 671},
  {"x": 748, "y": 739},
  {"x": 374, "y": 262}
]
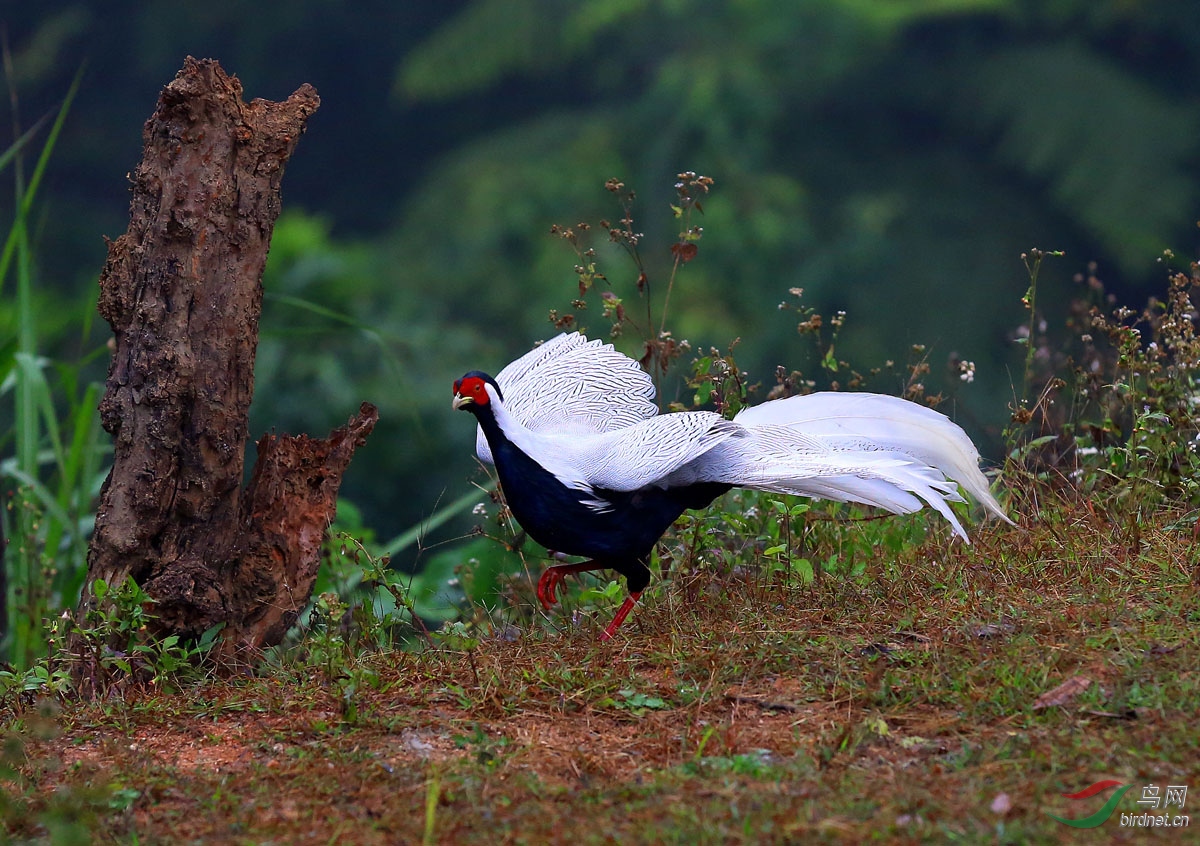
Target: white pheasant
[{"x": 589, "y": 467}]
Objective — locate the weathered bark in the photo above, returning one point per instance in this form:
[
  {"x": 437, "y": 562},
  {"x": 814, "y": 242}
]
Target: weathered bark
[{"x": 182, "y": 290}]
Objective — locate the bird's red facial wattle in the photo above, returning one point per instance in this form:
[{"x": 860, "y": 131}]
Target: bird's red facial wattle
[{"x": 470, "y": 390}]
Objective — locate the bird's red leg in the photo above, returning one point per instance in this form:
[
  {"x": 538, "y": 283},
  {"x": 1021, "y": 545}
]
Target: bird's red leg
[
  {"x": 622, "y": 613},
  {"x": 553, "y": 577}
]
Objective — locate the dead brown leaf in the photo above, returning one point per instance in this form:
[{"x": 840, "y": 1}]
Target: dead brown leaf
[{"x": 1062, "y": 694}]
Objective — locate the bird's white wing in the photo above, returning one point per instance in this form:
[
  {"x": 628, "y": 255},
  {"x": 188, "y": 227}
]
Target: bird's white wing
[
  {"x": 648, "y": 452},
  {"x": 571, "y": 385},
  {"x": 515, "y": 372},
  {"x": 624, "y": 459}
]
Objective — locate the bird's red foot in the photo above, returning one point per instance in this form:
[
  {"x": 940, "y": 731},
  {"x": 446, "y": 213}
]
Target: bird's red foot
[
  {"x": 553, "y": 577},
  {"x": 548, "y": 585}
]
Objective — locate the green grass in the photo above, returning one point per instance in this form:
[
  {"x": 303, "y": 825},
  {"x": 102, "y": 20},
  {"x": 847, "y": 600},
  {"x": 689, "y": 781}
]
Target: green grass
[{"x": 55, "y": 437}]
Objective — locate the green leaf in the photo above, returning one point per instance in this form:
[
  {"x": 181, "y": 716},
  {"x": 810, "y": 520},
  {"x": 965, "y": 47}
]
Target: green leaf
[
  {"x": 803, "y": 568},
  {"x": 208, "y": 638}
]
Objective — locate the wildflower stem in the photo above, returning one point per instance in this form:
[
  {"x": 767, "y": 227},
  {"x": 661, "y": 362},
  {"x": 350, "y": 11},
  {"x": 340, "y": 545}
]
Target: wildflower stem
[{"x": 1033, "y": 266}]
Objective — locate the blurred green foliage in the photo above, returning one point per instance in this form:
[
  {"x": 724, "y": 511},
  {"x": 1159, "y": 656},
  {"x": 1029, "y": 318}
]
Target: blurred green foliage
[{"x": 892, "y": 159}]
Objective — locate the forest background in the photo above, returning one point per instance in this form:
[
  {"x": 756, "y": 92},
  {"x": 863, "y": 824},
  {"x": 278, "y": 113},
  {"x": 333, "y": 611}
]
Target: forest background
[{"x": 892, "y": 159}]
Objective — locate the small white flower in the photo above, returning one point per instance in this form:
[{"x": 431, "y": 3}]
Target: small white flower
[
  {"x": 966, "y": 371},
  {"x": 479, "y": 509}
]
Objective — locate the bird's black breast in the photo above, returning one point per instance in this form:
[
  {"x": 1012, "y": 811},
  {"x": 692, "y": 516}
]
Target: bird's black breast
[{"x": 559, "y": 518}]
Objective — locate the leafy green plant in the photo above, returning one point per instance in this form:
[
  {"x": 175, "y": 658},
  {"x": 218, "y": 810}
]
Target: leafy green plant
[
  {"x": 781, "y": 556},
  {"x": 601, "y": 597},
  {"x": 334, "y": 647},
  {"x": 1114, "y": 417},
  {"x": 382, "y": 597},
  {"x": 636, "y": 702},
  {"x": 47, "y": 678},
  {"x": 116, "y": 634},
  {"x": 39, "y": 678}
]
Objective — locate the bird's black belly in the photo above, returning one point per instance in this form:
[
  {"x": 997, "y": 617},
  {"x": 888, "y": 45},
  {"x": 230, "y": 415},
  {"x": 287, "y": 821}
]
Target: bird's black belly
[{"x": 556, "y": 517}]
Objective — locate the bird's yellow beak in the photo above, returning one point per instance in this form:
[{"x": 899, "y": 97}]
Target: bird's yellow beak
[{"x": 460, "y": 401}]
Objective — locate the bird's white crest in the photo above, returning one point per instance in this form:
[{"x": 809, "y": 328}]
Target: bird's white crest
[{"x": 586, "y": 413}]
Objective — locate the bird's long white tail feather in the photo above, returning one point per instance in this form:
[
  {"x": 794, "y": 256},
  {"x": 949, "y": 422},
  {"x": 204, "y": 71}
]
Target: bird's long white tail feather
[{"x": 851, "y": 447}]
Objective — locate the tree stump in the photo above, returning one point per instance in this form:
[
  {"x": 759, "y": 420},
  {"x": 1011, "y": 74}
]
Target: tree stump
[{"x": 182, "y": 290}]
